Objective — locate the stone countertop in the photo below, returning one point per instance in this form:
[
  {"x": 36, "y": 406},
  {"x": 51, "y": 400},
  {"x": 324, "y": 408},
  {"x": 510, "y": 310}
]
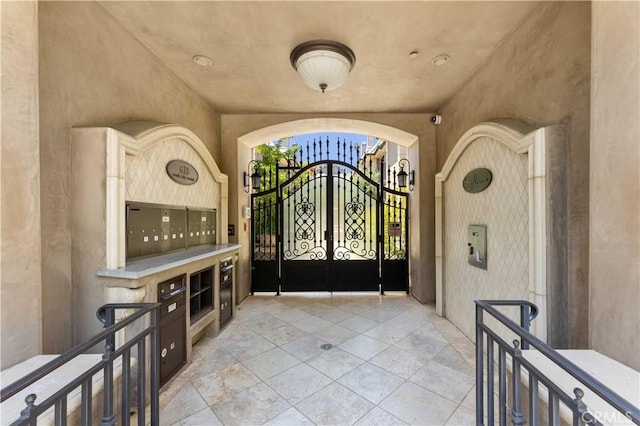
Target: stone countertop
[{"x": 143, "y": 268}]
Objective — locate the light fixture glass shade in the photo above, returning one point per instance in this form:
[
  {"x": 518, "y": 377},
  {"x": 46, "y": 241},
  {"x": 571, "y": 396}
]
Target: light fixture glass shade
[
  {"x": 402, "y": 178},
  {"x": 323, "y": 65},
  {"x": 255, "y": 180}
]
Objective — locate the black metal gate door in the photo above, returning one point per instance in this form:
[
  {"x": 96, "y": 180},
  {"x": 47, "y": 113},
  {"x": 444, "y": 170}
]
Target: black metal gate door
[
  {"x": 330, "y": 226},
  {"x": 330, "y": 230}
]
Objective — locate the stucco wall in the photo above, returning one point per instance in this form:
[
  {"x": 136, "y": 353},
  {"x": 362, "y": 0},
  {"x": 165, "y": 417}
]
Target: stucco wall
[
  {"x": 93, "y": 73},
  {"x": 422, "y": 157},
  {"x": 20, "y": 176},
  {"x": 615, "y": 182},
  {"x": 540, "y": 75}
]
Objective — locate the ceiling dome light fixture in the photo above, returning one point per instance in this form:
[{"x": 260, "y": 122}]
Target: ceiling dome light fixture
[{"x": 323, "y": 65}]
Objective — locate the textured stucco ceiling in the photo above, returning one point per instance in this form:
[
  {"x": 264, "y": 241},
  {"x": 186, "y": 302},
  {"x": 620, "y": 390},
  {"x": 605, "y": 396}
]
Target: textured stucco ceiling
[{"x": 250, "y": 43}]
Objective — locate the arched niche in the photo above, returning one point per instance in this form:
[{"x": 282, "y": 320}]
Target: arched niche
[
  {"x": 413, "y": 131},
  {"x": 113, "y": 148},
  {"x": 540, "y": 154}
]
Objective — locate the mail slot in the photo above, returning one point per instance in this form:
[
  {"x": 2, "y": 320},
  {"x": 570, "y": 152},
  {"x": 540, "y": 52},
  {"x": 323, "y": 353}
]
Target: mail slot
[{"x": 173, "y": 327}]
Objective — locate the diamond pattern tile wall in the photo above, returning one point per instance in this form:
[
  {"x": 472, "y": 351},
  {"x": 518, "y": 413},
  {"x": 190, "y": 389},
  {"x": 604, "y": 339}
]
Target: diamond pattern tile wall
[
  {"x": 146, "y": 179},
  {"x": 503, "y": 208}
]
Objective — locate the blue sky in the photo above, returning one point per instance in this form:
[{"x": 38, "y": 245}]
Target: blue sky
[{"x": 351, "y": 138}]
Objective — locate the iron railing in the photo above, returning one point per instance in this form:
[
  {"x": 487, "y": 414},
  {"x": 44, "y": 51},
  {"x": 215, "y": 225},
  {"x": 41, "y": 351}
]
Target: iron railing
[
  {"x": 144, "y": 312},
  {"x": 520, "y": 366}
]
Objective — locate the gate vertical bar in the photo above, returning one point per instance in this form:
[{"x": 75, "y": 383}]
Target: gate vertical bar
[
  {"x": 329, "y": 232},
  {"x": 407, "y": 241},
  {"x": 381, "y": 222},
  {"x": 252, "y": 239},
  {"x": 279, "y": 221}
]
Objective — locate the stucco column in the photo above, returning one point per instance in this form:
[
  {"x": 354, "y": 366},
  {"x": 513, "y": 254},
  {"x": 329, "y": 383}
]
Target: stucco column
[
  {"x": 20, "y": 270},
  {"x": 614, "y": 234}
]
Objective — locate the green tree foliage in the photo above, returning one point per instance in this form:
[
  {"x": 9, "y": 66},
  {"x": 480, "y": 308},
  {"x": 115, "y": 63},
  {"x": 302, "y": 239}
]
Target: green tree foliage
[{"x": 272, "y": 154}]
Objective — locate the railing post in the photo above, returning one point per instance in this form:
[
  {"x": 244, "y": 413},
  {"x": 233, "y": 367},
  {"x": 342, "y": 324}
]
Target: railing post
[
  {"x": 107, "y": 316},
  {"x": 525, "y": 322},
  {"x": 479, "y": 367},
  {"x": 125, "y": 387},
  {"x": 155, "y": 370},
  {"x": 490, "y": 382},
  {"x": 580, "y": 414},
  {"x": 27, "y": 415},
  {"x": 502, "y": 386},
  {"x": 109, "y": 417},
  {"x": 516, "y": 412}
]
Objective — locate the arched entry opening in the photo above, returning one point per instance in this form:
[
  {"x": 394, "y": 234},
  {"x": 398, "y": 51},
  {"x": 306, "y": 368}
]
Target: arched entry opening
[{"x": 325, "y": 224}]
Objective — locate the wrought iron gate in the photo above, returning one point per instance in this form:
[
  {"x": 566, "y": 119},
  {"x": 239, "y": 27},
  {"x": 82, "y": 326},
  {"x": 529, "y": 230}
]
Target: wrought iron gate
[{"x": 330, "y": 224}]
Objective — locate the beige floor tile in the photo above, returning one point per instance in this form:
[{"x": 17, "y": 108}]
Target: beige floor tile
[
  {"x": 387, "y": 333},
  {"x": 451, "y": 358},
  {"x": 304, "y": 348},
  {"x": 184, "y": 404},
  {"x": 334, "y": 315},
  {"x": 270, "y": 363},
  {"x": 334, "y": 405},
  {"x": 364, "y": 347},
  {"x": 311, "y": 324},
  {"x": 445, "y": 381},
  {"x": 358, "y": 323},
  {"x": 379, "y": 315},
  {"x": 418, "y": 406},
  {"x": 253, "y": 406},
  {"x": 297, "y": 383},
  {"x": 335, "y": 363},
  {"x": 248, "y": 347},
  {"x": 335, "y": 334},
  {"x": 201, "y": 418},
  {"x": 291, "y": 417},
  {"x": 356, "y": 307},
  {"x": 225, "y": 383},
  {"x": 214, "y": 361},
  {"x": 264, "y": 322},
  {"x": 419, "y": 344},
  {"x": 291, "y": 315},
  {"x": 399, "y": 361},
  {"x": 462, "y": 417},
  {"x": 379, "y": 417},
  {"x": 371, "y": 382},
  {"x": 285, "y": 334},
  {"x": 407, "y": 321}
]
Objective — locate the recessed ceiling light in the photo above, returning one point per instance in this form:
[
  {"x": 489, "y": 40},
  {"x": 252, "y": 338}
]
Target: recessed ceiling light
[
  {"x": 203, "y": 61},
  {"x": 413, "y": 54},
  {"x": 440, "y": 60}
]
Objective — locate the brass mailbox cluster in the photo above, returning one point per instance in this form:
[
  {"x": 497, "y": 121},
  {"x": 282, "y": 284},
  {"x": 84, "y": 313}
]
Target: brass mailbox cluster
[{"x": 156, "y": 229}]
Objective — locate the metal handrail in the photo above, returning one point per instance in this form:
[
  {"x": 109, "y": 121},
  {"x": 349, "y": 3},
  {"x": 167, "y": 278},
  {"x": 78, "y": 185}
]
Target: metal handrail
[
  {"x": 106, "y": 315},
  {"x": 528, "y": 312}
]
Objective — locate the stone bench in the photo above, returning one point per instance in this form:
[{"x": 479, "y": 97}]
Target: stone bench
[{"x": 616, "y": 376}]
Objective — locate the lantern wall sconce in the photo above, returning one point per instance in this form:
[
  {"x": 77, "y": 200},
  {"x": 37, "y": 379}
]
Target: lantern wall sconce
[
  {"x": 402, "y": 175},
  {"x": 252, "y": 177}
]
